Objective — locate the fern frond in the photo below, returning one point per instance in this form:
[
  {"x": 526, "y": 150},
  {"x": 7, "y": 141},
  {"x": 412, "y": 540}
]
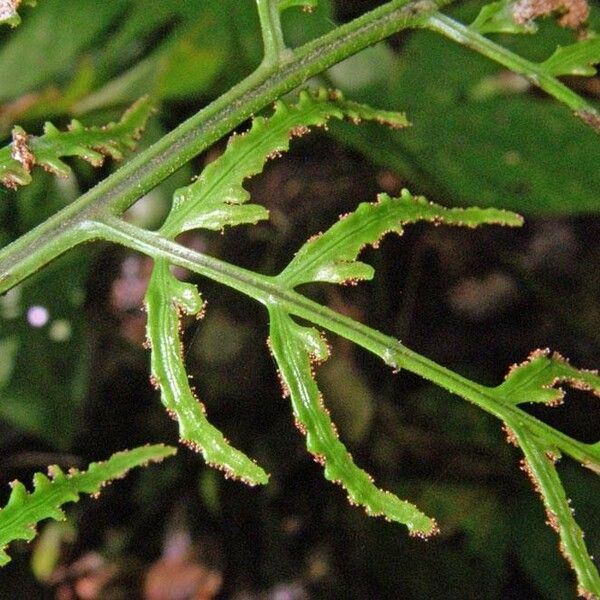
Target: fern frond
[
  {"x": 92, "y": 144},
  {"x": 25, "y": 509},
  {"x": 166, "y": 299},
  {"x": 536, "y": 380},
  {"x": 539, "y": 464},
  {"x": 332, "y": 256},
  {"x": 8, "y": 11},
  {"x": 215, "y": 200},
  {"x": 296, "y": 349},
  {"x": 218, "y": 199}
]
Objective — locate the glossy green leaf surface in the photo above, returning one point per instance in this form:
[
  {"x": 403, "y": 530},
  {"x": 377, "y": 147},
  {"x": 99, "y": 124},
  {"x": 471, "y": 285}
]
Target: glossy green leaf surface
[
  {"x": 92, "y": 144},
  {"x": 25, "y": 509},
  {"x": 331, "y": 256},
  {"x": 296, "y": 349}
]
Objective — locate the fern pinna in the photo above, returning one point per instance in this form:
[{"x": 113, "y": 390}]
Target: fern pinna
[{"x": 25, "y": 509}]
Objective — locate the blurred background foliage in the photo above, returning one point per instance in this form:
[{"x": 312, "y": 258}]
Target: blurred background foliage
[{"x": 74, "y": 376}]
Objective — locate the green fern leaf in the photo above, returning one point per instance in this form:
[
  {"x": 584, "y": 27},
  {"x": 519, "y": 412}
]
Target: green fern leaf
[
  {"x": 539, "y": 464},
  {"x": 295, "y": 349},
  {"x": 92, "y": 144},
  {"x": 8, "y": 11},
  {"x": 535, "y": 380},
  {"x": 331, "y": 256},
  {"x": 217, "y": 198},
  {"x": 25, "y": 509},
  {"x": 166, "y": 299},
  {"x": 575, "y": 59}
]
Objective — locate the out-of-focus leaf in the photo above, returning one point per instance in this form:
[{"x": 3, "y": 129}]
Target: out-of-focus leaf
[
  {"x": 349, "y": 395},
  {"x": 44, "y": 48},
  {"x": 8, "y": 350},
  {"x": 25, "y": 509},
  {"x": 44, "y": 363},
  {"x": 42, "y": 397},
  {"x": 89, "y": 143},
  {"x": 185, "y": 65},
  {"x": 476, "y": 512},
  {"x": 47, "y": 552},
  {"x": 576, "y": 59},
  {"x": 301, "y": 26},
  {"x": 514, "y": 151},
  {"x": 49, "y": 102},
  {"x": 497, "y": 17}
]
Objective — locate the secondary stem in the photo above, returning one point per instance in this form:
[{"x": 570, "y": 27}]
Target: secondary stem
[
  {"x": 268, "y": 290},
  {"x": 270, "y": 24},
  {"x": 535, "y": 73}
]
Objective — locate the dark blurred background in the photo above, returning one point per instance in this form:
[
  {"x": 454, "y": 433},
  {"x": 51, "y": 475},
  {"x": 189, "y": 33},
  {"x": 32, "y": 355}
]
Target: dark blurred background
[{"x": 76, "y": 388}]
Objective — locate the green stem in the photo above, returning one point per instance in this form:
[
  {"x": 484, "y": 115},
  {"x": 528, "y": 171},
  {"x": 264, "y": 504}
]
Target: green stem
[
  {"x": 268, "y": 291},
  {"x": 535, "y": 73},
  {"x": 270, "y": 23}
]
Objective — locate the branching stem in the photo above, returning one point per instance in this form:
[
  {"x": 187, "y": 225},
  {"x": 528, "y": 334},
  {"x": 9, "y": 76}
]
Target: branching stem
[
  {"x": 265, "y": 290},
  {"x": 275, "y": 50},
  {"x": 536, "y": 74}
]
